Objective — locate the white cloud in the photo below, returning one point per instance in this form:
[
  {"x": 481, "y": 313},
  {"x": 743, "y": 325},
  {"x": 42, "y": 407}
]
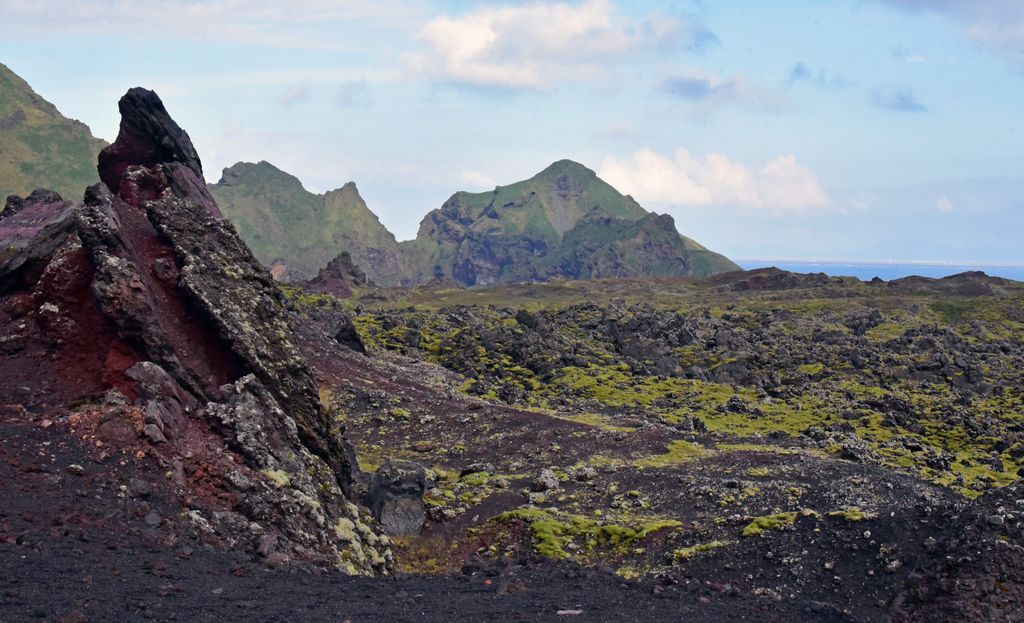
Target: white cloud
[
  {"x": 537, "y": 45},
  {"x": 781, "y": 185},
  {"x": 477, "y": 180},
  {"x": 944, "y": 204},
  {"x": 995, "y": 24}
]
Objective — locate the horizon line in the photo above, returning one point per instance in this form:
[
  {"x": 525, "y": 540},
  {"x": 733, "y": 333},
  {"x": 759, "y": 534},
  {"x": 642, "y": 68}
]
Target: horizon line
[{"x": 883, "y": 262}]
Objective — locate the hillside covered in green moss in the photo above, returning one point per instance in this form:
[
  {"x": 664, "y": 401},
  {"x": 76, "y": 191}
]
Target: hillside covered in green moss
[
  {"x": 40, "y": 147},
  {"x": 302, "y": 231},
  {"x": 564, "y": 222}
]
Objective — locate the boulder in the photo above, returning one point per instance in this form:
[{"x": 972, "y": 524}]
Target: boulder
[{"x": 396, "y": 497}]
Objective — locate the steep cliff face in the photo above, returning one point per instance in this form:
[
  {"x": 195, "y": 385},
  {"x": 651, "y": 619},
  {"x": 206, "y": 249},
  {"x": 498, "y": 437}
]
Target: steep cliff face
[
  {"x": 39, "y": 147},
  {"x": 283, "y": 222},
  {"x": 563, "y": 222},
  {"x": 142, "y": 319}
]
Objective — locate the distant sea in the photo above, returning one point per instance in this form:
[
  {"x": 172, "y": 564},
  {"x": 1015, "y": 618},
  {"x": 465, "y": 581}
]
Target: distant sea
[{"x": 869, "y": 270}]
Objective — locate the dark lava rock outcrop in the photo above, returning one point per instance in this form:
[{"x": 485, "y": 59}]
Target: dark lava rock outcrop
[
  {"x": 339, "y": 278},
  {"x": 141, "y": 323},
  {"x": 396, "y": 497},
  {"x": 147, "y": 137}
]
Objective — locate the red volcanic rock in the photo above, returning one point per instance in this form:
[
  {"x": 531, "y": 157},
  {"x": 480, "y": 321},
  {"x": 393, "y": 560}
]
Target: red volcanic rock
[
  {"x": 32, "y": 229},
  {"x": 144, "y": 321},
  {"x": 147, "y": 136}
]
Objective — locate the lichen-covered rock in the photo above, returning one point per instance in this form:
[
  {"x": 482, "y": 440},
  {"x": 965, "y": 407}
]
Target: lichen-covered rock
[
  {"x": 147, "y": 294},
  {"x": 396, "y": 497},
  {"x": 220, "y": 277},
  {"x": 545, "y": 481},
  {"x": 303, "y": 499}
]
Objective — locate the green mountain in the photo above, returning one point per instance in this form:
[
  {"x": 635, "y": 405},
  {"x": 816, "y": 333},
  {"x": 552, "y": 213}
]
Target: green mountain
[
  {"x": 39, "y": 147},
  {"x": 563, "y": 222},
  {"x": 297, "y": 232}
]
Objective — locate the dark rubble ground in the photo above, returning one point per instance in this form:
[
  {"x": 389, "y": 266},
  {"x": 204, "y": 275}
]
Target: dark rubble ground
[
  {"x": 862, "y": 537},
  {"x": 95, "y": 552},
  {"x": 99, "y": 552}
]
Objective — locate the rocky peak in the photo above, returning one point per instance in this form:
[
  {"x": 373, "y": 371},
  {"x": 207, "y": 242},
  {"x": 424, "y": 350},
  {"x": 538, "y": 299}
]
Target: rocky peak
[
  {"x": 147, "y": 136},
  {"x": 566, "y": 168},
  {"x": 302, "y": 231},
  {"x": 564, "y": 222},
  {"x": 143, "y": 314},
  {"x": 261, "y": 172},
  {"x": 340, "y": 277}
]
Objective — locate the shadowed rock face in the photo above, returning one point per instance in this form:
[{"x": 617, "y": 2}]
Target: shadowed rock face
[
  {"x": 147, "y": 292},
  {"x": 396, "y": 497},
  {"x": 147, "y": 137}
]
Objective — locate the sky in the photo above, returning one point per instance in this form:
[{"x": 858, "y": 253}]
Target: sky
[{"x": 812, "y": 129}]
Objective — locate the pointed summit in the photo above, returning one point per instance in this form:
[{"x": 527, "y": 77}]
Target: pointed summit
[
  {"x": 563, "y": 222},
  {"x": 301, "y": 231},
  {"x": 147, "y": 137},
  {"x": 566, "y": 167}
]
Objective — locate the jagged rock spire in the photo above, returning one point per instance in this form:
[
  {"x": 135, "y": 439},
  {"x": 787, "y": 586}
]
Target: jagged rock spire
[{"x": 148, "y": 137}]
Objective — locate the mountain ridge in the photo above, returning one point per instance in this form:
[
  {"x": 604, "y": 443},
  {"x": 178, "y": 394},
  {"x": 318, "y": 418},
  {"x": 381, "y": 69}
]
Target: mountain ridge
[
  {"x": 284, "y": 222},
  {"x": 39, "y": 146},
  {"x": 564, "y": 222}
]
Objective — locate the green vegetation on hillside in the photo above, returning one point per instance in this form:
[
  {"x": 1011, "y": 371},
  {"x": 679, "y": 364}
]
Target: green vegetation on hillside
[
  {"x": 563, "y": 222},
  {"x": 281, "y": 220},
  {"x": 39, "y": 147}
]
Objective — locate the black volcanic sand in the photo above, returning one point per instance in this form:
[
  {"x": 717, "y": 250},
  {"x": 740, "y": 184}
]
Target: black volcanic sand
[
  {"x": 113, "y": 581},
  {"x": 96, "y": 550}
]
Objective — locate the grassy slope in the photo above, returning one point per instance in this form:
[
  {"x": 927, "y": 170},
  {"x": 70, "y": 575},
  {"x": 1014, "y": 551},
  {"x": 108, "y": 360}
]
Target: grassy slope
[
  {"x": 547, "y": 207},
  {"x": 280, "y": 219},
  {"x": 39, "y": 147},
  {"x": 705, "y": 261}
]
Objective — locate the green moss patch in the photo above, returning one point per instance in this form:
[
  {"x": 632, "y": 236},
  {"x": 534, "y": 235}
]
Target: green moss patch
[
  {"x": 686, "y": 553},
  {"x": 679, "y": 452},
  {"x": 778, "y": 521},
  {"x": 552, "y": 535}
]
